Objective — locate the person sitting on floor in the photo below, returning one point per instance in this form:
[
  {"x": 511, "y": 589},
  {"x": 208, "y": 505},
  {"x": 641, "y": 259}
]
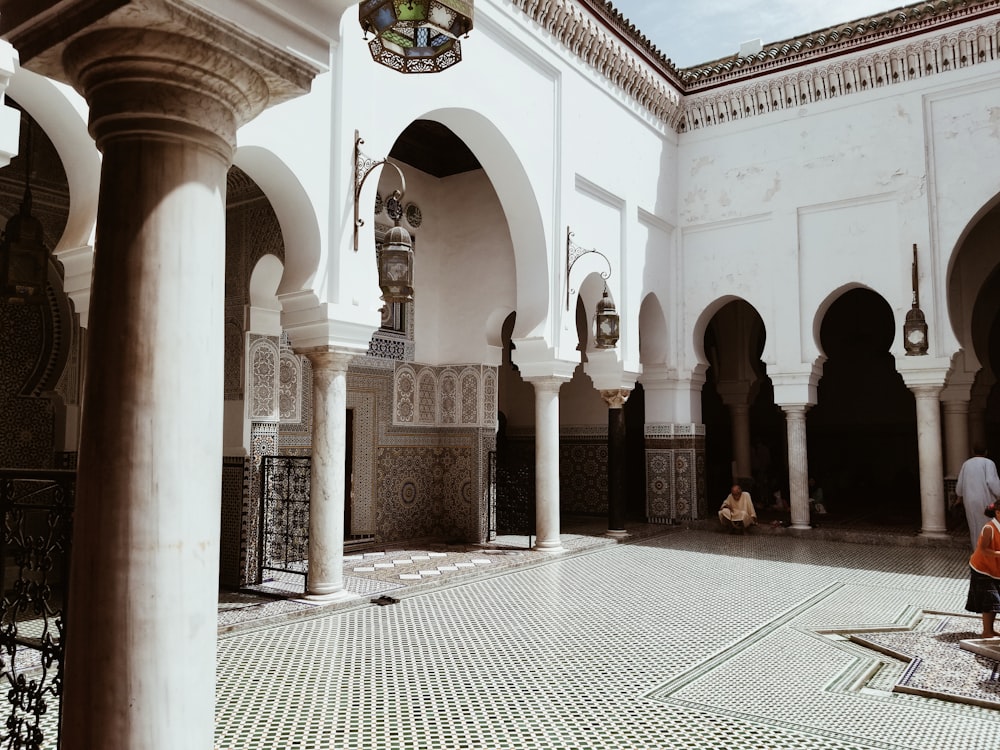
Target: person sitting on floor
[
  {"x": 737, "y": 512},
  {"x": 816, "y": 498}
]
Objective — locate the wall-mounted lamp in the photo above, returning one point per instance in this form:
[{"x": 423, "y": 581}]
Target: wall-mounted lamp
[
  {"x": 395, "y": 259},
  {"x": 606, "y": 316},
  {"x": 915, "y": 325},
  {"x": 416, "y": 36},
  {"x": 24, "y": 258}
]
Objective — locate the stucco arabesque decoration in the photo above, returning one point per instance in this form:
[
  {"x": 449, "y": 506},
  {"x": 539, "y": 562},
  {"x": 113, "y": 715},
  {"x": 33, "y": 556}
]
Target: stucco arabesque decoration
[{"x": 642, "y": 72}]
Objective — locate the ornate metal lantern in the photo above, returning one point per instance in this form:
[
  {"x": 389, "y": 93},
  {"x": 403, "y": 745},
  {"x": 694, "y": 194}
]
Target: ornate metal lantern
[
  {"x": 915, "y": 325},
  {"x": 416, "y": 36},
  {"x": 395, "y": 258},
  {"x": 395, "y": 266},
  {"x": 24, "y": 258},
  {"x": 607, "y": 323}
]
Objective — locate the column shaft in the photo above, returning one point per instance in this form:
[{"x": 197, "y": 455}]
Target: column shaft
[
  {"x": 143, "y": 589},
  {"x": 145, "y": 557},
  {"x": 325, "y": 576},
  {"x": 547, "y": 463},
  {"x": 740, "y": 417},
  {"x": 798, "y": 465},
  {"x": 616, "y": 470},
  {"x": 932, "y": 510},
  {"x": 956, "y": 435}
]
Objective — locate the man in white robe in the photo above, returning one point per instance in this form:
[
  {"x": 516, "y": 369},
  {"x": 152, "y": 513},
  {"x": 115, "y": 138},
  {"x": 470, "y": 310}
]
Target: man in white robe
[
  {"x": 737, "y": 512},
  {"x": 978, "y": 486}
]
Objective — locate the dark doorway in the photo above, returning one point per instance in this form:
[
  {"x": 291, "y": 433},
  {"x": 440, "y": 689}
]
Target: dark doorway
[{"x": 863, "y": 433}]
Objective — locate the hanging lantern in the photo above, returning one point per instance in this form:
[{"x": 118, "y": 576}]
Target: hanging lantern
[
  {"x": 24, "y": 258},
  {"x": 915, "y": 324},
  {"x": 416, "y": 36},
  {"x": 395, "y": 266},
  {"x": 607, "y": 323}
]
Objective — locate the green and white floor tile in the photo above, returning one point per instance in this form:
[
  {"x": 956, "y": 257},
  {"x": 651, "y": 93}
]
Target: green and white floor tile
[{"x": 691, "y": 640}]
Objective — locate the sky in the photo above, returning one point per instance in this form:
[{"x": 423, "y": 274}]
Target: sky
[{"x": 691, "y": 33}]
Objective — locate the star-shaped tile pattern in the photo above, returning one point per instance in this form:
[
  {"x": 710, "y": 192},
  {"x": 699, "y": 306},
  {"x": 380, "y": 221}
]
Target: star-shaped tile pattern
[{"x": 946, "y": 658}]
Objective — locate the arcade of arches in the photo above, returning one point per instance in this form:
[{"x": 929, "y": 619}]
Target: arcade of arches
[{"x": 205, "y": 309}]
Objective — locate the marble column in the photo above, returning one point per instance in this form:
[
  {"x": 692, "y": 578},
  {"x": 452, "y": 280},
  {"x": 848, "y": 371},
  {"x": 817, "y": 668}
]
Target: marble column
[
  {"x": 141, "y": 640},
  {"x": 325, "y": 576},
  {"x": 798, "y": 464},
  {"x": 956, "y": 435},
  {"x": 740, "y": 418},
  {"x": 615, "y": 400},
  {"x": 932, "y": 500},
  {"x": 547, "y": 463},
  {"x": 977, "y": 416}
]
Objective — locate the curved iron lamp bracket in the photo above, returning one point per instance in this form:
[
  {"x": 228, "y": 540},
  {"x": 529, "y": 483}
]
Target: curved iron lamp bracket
[
  {"x": 364, "y": 166},
  {"x": 573, "y": 254}
]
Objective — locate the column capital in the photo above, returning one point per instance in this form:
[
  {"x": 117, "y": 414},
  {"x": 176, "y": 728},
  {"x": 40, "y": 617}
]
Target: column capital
[
  {"x": 926, "y": 390},
  {"x": 548, "y": 383},
  {"x": 329, "y": 358},
  {"x": 146, "y": 82},
  {"x": 616, "y": 398},
  {"x": 161, "y": 68},
  {"x": 795, "y": 411},
  {"x": 955, "y": 406},
  {"x": 734, "y": 392}
]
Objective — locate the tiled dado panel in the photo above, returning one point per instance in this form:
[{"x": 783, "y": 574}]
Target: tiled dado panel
[
  {"x": 263, "y": 442},
  {"x": 433, "y": 485},
  {"x": 675, "y": 472},
  {"x": 27, "y": 429},
  {"x": 583, "y": 466},
  {"x": 583, "y": 470},
  {"x": 235, "y": 496}
]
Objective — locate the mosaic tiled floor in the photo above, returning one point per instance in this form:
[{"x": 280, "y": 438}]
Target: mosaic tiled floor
[
  {"x": 937, "y": 665},
  {"x": 691, "y": 640}
]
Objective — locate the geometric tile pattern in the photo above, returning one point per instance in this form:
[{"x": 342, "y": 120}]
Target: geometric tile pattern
[
  {"x": 943, "y": 668},
  {"x": 235, "y": 472},
  {"x": 583, "y": 474},
  {"x": 449, "y": 396},
  {"x": 691, "y": 640},
  {"x": 416, "y": 565},
  {"x": 675, "y": 472}
]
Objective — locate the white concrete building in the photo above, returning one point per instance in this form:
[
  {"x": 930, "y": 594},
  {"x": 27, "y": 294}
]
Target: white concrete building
[{"x": 759, "y": 223}]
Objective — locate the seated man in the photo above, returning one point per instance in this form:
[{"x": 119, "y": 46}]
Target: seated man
[{"x": 737, "y": 512}]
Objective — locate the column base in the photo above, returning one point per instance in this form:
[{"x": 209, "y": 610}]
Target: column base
[
  {"x": 804, "y": 526},
  {"x": 934, "y": 533},
  {"x": 552, "y": 546},
  {"x": 617, "y": 534},
  {"x": 340, "y": 595}
]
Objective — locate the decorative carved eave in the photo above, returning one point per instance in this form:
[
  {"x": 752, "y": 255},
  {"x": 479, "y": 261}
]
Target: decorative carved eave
[
  {"x": 633, "y": 37},
  {"x": 767, "y": 90},
  {"x": 841, "y": 39},
  {"x": 631, "y": 64},
  {"x": 742, "y": 86}
]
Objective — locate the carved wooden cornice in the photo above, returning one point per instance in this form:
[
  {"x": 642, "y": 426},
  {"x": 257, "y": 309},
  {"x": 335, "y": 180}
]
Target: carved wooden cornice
[
  {"x": 603, "y": 38},
  {"x": 616, "y": 56},
  {"x": 876, "y": 68}
]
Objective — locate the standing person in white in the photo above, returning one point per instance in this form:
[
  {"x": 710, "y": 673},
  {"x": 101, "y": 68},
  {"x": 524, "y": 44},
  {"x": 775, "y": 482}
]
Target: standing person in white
[{"x": 978, "y": 486}]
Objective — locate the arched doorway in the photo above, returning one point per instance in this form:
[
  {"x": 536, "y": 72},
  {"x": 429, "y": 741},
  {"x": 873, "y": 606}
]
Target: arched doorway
[
  {"x": 745, "y": 437},
  {"x": 862, "y": 432}
]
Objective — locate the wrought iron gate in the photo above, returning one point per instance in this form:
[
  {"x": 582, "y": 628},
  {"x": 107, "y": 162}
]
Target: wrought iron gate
[
  {"x": 512, "y": 498},
  {"x": 37, "y": 508},
  {"x": 284, "y": 524}
]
